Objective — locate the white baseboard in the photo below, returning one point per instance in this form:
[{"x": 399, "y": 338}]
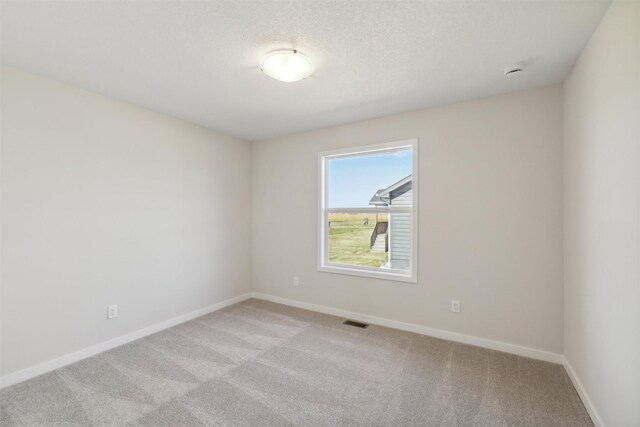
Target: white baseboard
[
  {"x": 451, "y": 336},
  {"x": 423, "y": 330},
  {"x": 533, "y": 353},
  {"x": 67, "y": 359},
  {"x": 595, "y": 417}
]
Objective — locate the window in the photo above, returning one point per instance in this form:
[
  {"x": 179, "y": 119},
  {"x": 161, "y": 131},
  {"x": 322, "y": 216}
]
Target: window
[{"x": 368, "y": 211}]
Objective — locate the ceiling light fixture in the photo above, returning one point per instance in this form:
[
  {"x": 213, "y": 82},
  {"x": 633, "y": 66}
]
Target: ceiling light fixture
[{"x": 286, "y": 65}]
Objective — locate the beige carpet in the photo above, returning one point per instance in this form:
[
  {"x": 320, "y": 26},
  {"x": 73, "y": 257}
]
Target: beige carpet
[{"x": 258, "y": 363}]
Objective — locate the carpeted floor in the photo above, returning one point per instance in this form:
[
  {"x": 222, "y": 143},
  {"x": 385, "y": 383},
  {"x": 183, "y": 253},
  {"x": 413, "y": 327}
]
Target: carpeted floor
[{"x": 259, "y": 363}]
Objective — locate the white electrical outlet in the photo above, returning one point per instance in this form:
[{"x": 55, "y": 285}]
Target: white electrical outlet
[
  {"x": 112, "y": 311},
  {"x": 296, "y": 281},
  {"x": 455, "y": 306}
]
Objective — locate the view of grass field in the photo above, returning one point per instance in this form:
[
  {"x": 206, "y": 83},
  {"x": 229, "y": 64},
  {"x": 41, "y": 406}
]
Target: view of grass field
[{"x": 349, "y": 239}]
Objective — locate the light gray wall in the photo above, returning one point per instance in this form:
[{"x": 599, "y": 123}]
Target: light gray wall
[
  {"x": 490, "y": 226},
  {"x": 602, "y": 217},
  {"x": 107, "y": 203}
]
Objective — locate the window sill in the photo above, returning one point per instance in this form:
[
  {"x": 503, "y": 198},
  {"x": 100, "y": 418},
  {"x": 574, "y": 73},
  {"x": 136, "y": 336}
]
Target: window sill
[{"x": 373, "y": 273}]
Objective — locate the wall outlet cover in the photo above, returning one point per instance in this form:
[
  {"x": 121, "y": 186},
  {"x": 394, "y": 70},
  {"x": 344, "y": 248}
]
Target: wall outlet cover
[
  {"x": 455, "y": 306},
  {"x": 112, "y": 311}
]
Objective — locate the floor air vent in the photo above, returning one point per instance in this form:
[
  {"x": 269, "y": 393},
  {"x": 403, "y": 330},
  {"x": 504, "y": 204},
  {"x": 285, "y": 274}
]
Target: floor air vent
[{"x": 354, "y": 323}]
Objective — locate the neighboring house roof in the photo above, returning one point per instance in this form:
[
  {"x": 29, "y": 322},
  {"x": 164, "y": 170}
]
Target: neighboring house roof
[{"x": 384, "y": 196}]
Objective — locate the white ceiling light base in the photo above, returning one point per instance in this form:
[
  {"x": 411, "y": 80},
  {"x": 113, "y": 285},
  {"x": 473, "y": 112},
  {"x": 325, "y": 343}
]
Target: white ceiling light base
[{"x": 286, "y": 65}]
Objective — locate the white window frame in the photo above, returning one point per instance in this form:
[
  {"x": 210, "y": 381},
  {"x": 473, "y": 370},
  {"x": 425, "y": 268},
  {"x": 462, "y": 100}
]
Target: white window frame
[{"x": 324, "y": 265}]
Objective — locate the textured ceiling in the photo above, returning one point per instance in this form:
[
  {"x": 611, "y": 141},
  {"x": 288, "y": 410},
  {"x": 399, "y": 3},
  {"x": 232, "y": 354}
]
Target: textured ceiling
[{"x": 198, "y": 60}]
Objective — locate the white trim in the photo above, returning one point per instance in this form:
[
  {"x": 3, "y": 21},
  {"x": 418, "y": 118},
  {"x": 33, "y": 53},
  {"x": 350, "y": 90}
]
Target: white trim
[
  {"x": 519, "y": 350},
  {"x": 591, "y": 409},
  {"x": 70, "y": 358},
  {"x": 322, "y": 214},
  {"x": 395, "y": 186},
  {"x": 323, "y": 210},
  {"x": 51, "y": 365},
  {"x": 380, "y": 209},
  {"x": 370, "y": 272},
  {"x": 373, "y": 149}
]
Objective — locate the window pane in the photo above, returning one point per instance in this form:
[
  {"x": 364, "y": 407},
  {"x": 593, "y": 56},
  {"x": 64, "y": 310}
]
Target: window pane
[
  {"x": 365, "y": 239},
  {"x": 367, "y": 212},
  {"x": 370, "y": 180}
]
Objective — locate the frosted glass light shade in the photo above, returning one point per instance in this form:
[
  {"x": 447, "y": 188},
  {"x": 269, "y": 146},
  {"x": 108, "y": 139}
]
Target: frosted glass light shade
[{"x": 286, "y": 65}]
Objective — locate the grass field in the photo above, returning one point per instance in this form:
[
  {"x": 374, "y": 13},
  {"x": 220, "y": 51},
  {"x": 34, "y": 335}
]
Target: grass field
[{"x": 349, "y": 240}]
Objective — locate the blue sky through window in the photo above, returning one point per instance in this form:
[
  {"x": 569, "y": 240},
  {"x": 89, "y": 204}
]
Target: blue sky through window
[{"x": 353, "y": 180}]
